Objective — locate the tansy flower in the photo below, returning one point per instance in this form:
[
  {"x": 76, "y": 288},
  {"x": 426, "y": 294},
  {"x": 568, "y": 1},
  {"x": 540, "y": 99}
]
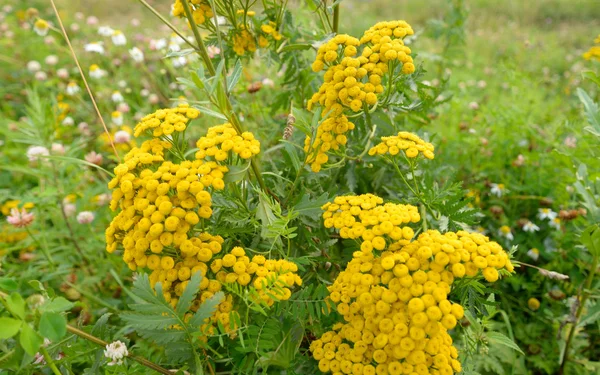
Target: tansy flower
[
  {"x": 498, "y": 190},
  {"x": 534, "y": 254},
  {"x": 96, "y": 72},
  {"x": 117, "y": 118},
  {"x": 546, "y": 213},
  {"x": 118, "y": 38},
  {"x": 136, "y": 54},
  {"x": 94, "y": 47},
  {"x": 85, "y": 217},
  {"x": 116, "y": 351},
  {"x": 72, "y": 88},
  {"x": 105, "y": 31},
  {"x": 530, "y": 227},
  {"x": 94, "y": 158},
  {"x": 35, "y": 153},
  {"x": 505, "y": 231},
  {"x": 533, "y": 304},
  {"x": 117, "y": 97},
  {"x": 41, "y": 27},
  {"x": 20, "y": 219}
]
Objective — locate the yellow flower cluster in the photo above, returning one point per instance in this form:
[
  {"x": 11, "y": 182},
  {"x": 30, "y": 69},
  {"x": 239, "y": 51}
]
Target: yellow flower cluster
[
  {"x": 594, "y": 51},
  {"x": 160, "y": 203},
  {"x": 330, "y": 136},
  {"x": 395, "y": 306},
  {"x": 166, "y": 121},
  {"x": 365, "y": 217},
  {"x": 201, "y": 10},
  {"x": 10, "y": 204},
  {"x": 410, "y": 143},
  {"x": 243, "y": 41},
  {"x": 270, "y": 30},
  {"x": 353, "y": 80},
  {"x": 222, "y": 139}
]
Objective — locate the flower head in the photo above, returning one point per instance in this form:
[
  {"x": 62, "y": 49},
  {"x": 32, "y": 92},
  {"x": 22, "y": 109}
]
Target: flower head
[
  {"x": 546, "y": 213},
  {"x": 35, "y": 153},
  {"x": 555, "y": 223},
  {"x": 530, "y": 227},
  {"x": 498, "y": 190},
  {"x": 534, "y": 254},
  {"x": 136, "y": 54},
  {"x": 94, "y": 158},
  {"x": 72, "y": 88},
  {"x": 34, "y": 66},
  {"x": 118, "y": 38},
  {"x": 41, "y": 27},
  {"x": 122, "y": 137},
  {"x": 116, "y": 351},
  {"x": 85, "y": 217},
  {"x": 105, "y": 31},
  {"x": 20, "y": 219},
  {"x": 94, "y": 47},
  {"x": 96, "y": 71},
  {"x": 117, "y": 97},
  {"x": 505, "y": 231},
  {"x": 117, "y": 118}
]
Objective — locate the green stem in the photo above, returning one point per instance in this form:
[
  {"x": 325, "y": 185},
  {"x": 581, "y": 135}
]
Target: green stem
[
  {"x": 201, "y": 47},
  {"x": 336, "y": 17},
  {"x": 584, "y": 296},
  {"x": 170, "y": 25},
  {"x": 49, "y": 361},
  {"x": 138, "y": 359}
]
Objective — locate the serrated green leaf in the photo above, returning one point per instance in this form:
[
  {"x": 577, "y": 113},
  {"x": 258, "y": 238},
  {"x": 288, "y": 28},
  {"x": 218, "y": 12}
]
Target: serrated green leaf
[
  {"x": 53, "y": 326},
  {"x": 9, "y": 327},
  {"x": 189, "y": 293},
  {"x": 500, "y": 339},
  {"x": 206, "y": 309}
]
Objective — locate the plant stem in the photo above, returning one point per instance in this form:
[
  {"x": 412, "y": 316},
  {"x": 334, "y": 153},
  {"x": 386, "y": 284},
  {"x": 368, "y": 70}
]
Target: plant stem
[
  {"x": 169, "y": 25},
  {"x": 336, "y": 17},
  {"x": 202, "y": 51},
  {"x": 138, "y": 359},
  {"x": 584, "y": 296},
  {"x": 49, "y": 361}
]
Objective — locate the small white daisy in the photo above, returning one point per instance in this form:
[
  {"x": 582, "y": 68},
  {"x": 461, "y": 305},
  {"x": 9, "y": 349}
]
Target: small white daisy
[
  {"x": 530, "y": 227},
  {"x": 498, "y": 190},
  {"x": 534, "y": 254},
  {"x": 117, "y": 118},
  {"x": 105, "y": 31},
  {"x": 118, "y": 38},
  {"x": 41, "y": 27},
  {"x": 96, "y": 72},
  {"x": 546, "y": 213},
  {"x": 72, "y": 88},
  {"x": 94, "y": 47},
  {"x": 136, "y": 54},
  {"x": 117, "y": 97},
  {"x": 505, "y": 231}
]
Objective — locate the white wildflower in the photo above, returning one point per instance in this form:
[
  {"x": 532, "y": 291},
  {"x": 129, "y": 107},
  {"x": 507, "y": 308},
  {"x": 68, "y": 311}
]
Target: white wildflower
[
  {"x": 530, "y": 227},
  {"x": 546, "y": 213},
  {"x": 116, "y": 351}
]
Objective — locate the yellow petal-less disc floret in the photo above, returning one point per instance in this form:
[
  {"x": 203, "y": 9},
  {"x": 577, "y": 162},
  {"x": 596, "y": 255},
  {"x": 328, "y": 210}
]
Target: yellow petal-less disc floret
[{"x": 407, "y": 142}]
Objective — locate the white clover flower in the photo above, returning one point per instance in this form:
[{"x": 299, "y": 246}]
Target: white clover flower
[
  {"x": 213, "y": 51},
  {"x": 35, "y": 153},
  {"x": 123, "y": 107},
  {"x": 268, "y": 82},
  {"x": 58, "y": 148},
  {"x": 498, "y": 190},
  {"x": 41, "y": 76},
  {"x": 530, "y": 227},
  {"x": 474, "y": 106},
  {"x": 117, "y": 97},
  {"x": 68, "y": 121},
  {"x": 136, "y": 54},
  {"x": 144, "y": 92},
  {"x": 62, "y": 73},
  {"x": 103, "y": 199},
  {"x": 92, "y": 20},
  {"x": 41, "y": 27},
  {"x": 116, "y": 351},
  {"x": 534, "y": 254},
  {"x": 94, "y": 47},
  {"x": 546, "y": 213},
  {"x": 85, "y": 217},
  {"x": 105, "y": 30},
  {"x": 72, "y": 88},
  {"x": 69, "y": 209},
  {"x": 118, "y": 38},
  {"x": 505, "y": 232},
  {"x": 34, "y": 66},
  {"x": 117, "y": 118},
  {"x": 122, "y": 137},
  {"x": 96, "y": 72},
  {"x": 51, "y": 60},
  {"x": 158, "y": 44}
]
